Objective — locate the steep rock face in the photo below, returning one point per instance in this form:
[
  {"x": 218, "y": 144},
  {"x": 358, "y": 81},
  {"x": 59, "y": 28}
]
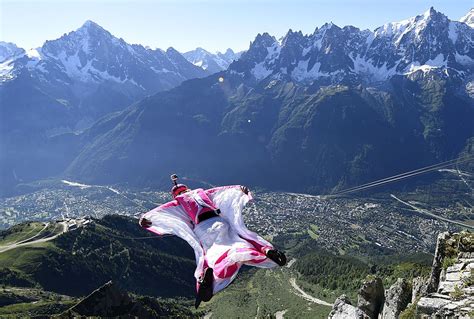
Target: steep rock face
[
  {"x": 397, "y": 298},
  {"x": 369, "y": 303},
  {"x": 452, "y": 279},
  {"x": 437, "y": 262},
  {"x": 371, "y": 297}
]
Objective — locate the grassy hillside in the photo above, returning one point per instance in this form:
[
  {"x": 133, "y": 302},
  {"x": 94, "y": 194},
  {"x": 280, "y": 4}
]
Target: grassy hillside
[
  {"x": 262, "y": 294},
  {"x": 79, "y": 261}
]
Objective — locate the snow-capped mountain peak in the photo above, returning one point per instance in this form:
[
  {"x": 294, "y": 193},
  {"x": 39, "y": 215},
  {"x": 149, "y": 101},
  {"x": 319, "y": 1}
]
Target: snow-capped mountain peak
[
  {"x": 91, "y": 24},
  {"x": 212, "y": 62},
  {"x": 8, "y": 53},
  {"x": 93, "y": 72},
  {"x": 426, "y": 42},
  {"x": 9, "y": 50},
  {"x": 468, "y": 18},
  {"x": 91, "y": 55},
  {"x": 88, "y": 39},
  {"x": 412, "y": 27}
]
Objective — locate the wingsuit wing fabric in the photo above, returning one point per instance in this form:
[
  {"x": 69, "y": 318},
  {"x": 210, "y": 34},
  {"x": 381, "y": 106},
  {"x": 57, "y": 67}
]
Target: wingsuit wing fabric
[
  {"x": 231, "y": 201},
  {"x": 223, "y": 243},
  {"x": 171, "y": 219}
]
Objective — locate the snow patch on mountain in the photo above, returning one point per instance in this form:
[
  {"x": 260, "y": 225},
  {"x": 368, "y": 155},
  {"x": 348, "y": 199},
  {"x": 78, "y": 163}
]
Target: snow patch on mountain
[
  {"x": 438, "y": 62},
  {"x": 376, "y": 73},
  {"x": 85, "y": 72},
  {"x": 394, "y": 30},
  {"x": 34, "y": 53},
  {"x": 9, "y": 51},
  {"x": 265, "y": 68},
  {"x": 201, "y": 64},
  {"x": 260, "y": 71},
  {"x": 470, "y": 89},
  {"x": 273, "y": 52},
  {"x": 212, "y": 62},
  {"x": 464, "y": 59},
  {"x": 453, "y": 32},
  {"x": 6, "y": 69},
  {"x": 468, "y": 18},
  {"x": 301, "y": 72}
]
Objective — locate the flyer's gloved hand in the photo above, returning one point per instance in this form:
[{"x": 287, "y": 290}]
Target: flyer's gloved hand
[
  {"x": 145, "y": 223},
  {"x": 277, "y": 256},
  {"x": 244, "y": 189}
]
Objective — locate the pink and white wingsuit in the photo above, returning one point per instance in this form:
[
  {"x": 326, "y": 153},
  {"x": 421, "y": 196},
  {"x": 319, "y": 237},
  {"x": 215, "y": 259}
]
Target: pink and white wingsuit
[{"x": 223, "y": 243}]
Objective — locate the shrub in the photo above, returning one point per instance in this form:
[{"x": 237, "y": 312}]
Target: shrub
[
  {"x": 410, "y": 311},
  {"x": 447, "y": 262},
  {"x": 457, "y": 293}
]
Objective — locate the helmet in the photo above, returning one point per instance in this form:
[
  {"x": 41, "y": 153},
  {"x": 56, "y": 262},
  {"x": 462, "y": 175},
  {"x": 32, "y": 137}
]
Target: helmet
[{"x": 178, "y": 189}]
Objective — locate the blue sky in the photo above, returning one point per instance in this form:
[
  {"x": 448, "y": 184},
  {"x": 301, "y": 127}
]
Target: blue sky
[{"x": 211, "y": 24}]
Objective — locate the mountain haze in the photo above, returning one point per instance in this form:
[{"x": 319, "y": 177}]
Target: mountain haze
[
  {"x": 310, "y": 113},
  {"x": 68, "y": 84}
]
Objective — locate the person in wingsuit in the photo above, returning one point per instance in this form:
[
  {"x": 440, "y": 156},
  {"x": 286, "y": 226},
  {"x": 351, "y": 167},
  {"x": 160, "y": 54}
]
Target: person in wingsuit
[{"x": 212, "y": 224}]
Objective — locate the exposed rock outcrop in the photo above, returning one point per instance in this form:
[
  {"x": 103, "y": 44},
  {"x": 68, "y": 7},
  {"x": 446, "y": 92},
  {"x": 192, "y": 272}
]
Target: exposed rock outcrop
[
  {"x": 419, "y": 288},
  {"x": 371, "y": 297},
  {"x": 437, "y": 262},
  {"x": 109, "y": 301},
  {"x": 369, "y": 302},
  {"x": 343, "y": 309},
  {"x": 447, "y": 293},
  {"x": 451, "y": 287},
  {"x": 397, "y": 298}
]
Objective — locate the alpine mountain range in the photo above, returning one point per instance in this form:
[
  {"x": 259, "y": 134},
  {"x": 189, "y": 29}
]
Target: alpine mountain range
[{"x": 310, "y": 113}]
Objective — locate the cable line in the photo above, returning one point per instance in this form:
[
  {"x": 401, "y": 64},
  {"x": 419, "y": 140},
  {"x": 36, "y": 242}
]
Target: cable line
[{"x": 401, "y": 176}]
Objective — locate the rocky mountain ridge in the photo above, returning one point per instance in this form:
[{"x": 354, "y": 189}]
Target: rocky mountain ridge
[
  {"x": 468, "y": 18},
  {"x": 333, "y": 54},
  {"x": 211, "y": 62},
  {"x": 447, "y": 293},
  {"x": 83, "y": 65}
]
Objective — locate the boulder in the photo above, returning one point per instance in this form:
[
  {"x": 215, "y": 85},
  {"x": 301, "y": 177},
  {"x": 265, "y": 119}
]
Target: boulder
[
  {"x": 371, "y": 297},
  {"x": 343, "y": 309},
  {"x": 397, "y": 298}
]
